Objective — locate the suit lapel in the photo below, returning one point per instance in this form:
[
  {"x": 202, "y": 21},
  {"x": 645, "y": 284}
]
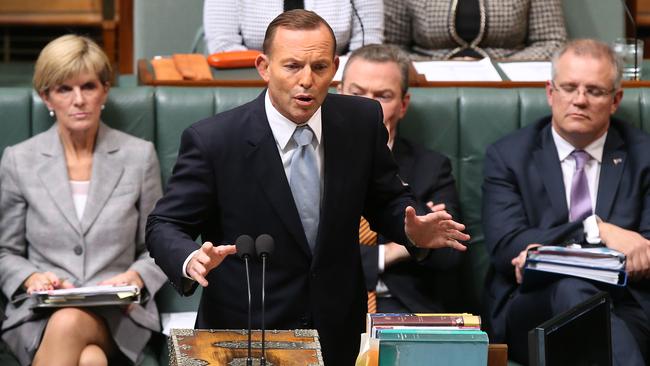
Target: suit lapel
[
  {"x": 53, "y": 175},
  {"x": 611, "y": 170},
  {"x": 405, "y": 158},
  {"x": 548, "y": 165},
  {"x": 106, "y": 172},
  {"x": 262, "y": 154}
]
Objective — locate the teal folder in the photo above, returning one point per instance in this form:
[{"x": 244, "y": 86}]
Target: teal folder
[{"x": 411, "y": 347}]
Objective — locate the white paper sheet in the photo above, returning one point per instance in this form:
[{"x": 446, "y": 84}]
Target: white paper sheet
[
  {"x": 526, "y": 71},
  {"x": 90, "y": 290},
  {"x": 177, "y": 320},
  {"x": 339, "y": 73},
  {"x": 482, "y": 70}
]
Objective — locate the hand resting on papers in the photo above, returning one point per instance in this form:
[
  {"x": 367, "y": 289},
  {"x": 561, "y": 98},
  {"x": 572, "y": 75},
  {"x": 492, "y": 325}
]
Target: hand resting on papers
[
  {"x": 520, "y": 260},
  {"x": 635, "y": 247},
  {"x": 43, "y": 281},
  {"x": 129, "y": 277}
]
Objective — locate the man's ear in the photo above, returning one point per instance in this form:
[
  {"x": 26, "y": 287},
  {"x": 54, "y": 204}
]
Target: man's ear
[
  {"x": 406, "y": 100},
  {"x": 549, "y": 92},
  {"x": 262, "y": 66},
  {"x": 618, "y": 96}
]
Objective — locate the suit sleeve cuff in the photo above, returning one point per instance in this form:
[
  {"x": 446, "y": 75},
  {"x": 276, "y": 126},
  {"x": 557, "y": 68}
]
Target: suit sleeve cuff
[
  {"x": 187, "y": 260},
  {"x": 592, "y": 233},
  {"x": 381, "y": 258}
]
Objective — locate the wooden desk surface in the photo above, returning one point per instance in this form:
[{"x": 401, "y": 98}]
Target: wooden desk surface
[{"x": 250, "y": 78}]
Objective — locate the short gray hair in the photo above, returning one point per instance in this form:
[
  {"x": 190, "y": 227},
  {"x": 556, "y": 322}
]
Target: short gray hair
[
  {"x": 593, "y": 48},
  {"x": 383, "y": 53}
]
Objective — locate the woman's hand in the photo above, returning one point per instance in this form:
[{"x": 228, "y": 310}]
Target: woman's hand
[
  {"x": 45, "y": 281},
  {"x": 129, "y": 277}
]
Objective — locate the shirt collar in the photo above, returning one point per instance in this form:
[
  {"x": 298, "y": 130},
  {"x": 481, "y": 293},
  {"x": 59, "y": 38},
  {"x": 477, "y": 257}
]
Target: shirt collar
[
  {"x": 283, "y": 128},
  {"x": 564, "y": 148}
]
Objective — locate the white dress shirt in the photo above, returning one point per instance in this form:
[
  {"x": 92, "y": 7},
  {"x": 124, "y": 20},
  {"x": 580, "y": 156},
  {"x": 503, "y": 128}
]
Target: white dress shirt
[
  {"x": 79, "y": 195},
  {"x": 592, "y": 171}
]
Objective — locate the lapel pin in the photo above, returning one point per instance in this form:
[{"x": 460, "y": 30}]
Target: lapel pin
[{"x": 617, "y": 161}]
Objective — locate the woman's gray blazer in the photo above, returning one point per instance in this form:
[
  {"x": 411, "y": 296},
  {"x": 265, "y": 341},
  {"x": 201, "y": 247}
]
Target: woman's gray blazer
[{"x": 39, "y": 229}]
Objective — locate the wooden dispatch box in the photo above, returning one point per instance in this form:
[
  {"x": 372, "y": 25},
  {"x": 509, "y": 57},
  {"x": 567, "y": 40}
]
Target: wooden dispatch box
[{"x": 194, "y": 347}]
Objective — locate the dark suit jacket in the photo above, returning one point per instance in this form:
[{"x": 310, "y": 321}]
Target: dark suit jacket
[
  {"x": 229, "y": 180},
  {"x": 414, "y": 284},
  {"x": 524, "y": 202}
]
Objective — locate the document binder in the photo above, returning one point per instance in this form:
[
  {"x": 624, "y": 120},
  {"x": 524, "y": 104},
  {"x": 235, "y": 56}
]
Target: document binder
[
  {"x": 548, "y": 263},
  {"x": 84, "y": 296}
]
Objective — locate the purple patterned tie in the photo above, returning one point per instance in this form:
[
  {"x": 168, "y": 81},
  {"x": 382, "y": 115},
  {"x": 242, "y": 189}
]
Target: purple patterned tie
[{"x": 580, "y": 198}]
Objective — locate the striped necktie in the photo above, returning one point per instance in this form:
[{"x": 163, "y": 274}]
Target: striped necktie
[{"x": 369, "y": 238}]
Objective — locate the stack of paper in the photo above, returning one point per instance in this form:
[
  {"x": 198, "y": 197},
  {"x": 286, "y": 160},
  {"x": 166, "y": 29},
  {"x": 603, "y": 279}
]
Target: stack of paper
[
  {"x": 87, "y": 296},
  {"x": 599, "y": 264},
  {"x": 526, "y": 71},
  {"x": 482, "y": 70}
]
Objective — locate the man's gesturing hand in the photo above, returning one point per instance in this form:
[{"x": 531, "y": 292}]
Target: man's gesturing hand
[
  {"x": 206, "y": 259},
  {"x": 434, "y": 230}
]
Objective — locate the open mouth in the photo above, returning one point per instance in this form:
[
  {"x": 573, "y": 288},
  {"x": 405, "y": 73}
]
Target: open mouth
[{"x": 304, "y": 99}]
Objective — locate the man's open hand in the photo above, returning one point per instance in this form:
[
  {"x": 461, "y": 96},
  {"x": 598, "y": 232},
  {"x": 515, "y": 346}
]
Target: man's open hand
[
  {"x": 434, "y": 230},
  {"x": 206, "y": 259}
]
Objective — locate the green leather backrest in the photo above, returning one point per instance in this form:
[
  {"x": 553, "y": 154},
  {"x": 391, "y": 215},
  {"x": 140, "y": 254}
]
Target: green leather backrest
[
  {"x": 459, "y": 122},
  {"x": 177, "y": 108},
  {"x": 15, "y": 116}
]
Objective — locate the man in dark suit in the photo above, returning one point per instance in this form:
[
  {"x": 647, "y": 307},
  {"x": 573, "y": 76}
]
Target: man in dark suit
[
  {"x": 381, "y": 72},
  {"x": 303, "y": 166},
  {"x": 578, "y": 176}
]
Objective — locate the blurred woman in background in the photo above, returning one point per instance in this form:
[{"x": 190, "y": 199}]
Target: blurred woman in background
[
  {"x": 473, "y": 29},
  {"x": 234, "y": 25}
]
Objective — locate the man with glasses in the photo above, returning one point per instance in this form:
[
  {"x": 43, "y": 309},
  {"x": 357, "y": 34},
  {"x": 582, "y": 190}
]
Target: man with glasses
[{"x": 577, "y": 176}]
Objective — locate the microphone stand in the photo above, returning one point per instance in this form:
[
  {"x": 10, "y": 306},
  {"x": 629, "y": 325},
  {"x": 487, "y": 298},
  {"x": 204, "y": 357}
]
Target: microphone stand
[
  {"x": 263, "y": 247},
  {"x": 263, "y": 358},
  {"x": 249, "y": 358},
  {"x": 245, "y": 249}
]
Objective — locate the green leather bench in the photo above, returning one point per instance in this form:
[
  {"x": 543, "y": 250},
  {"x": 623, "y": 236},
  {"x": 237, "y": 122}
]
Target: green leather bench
[{"x": 459, "y": 122}]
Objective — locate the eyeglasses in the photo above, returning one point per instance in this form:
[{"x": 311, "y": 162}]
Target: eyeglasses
[{"x": 570, "y": 91}]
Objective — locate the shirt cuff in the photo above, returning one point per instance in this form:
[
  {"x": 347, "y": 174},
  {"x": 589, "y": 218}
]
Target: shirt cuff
[
  {"x": 381, "y": 258},
  {"x": 187, "y": 260},
  {"x": 592, "y": 233}
]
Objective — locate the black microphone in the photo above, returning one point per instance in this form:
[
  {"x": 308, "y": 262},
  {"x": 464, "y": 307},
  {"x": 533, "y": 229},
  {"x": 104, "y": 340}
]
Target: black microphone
[
  {"x": 264, "y": 247},
  {"x": 246, "y": 250}
]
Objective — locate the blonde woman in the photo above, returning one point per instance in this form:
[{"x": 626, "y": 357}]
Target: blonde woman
[{"x": 73, "y": 205}]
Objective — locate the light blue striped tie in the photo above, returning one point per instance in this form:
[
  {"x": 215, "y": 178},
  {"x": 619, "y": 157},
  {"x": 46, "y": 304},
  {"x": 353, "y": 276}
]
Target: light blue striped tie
[{"x": 305, "y": 182}]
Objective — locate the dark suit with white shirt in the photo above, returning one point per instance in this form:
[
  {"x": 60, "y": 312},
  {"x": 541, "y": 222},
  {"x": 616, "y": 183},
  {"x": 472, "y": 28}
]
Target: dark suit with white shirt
[
  {"x": 229, "y": 180},
  {"x": 524, "y": 202},
  {"x": 412, "y": 285}
]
